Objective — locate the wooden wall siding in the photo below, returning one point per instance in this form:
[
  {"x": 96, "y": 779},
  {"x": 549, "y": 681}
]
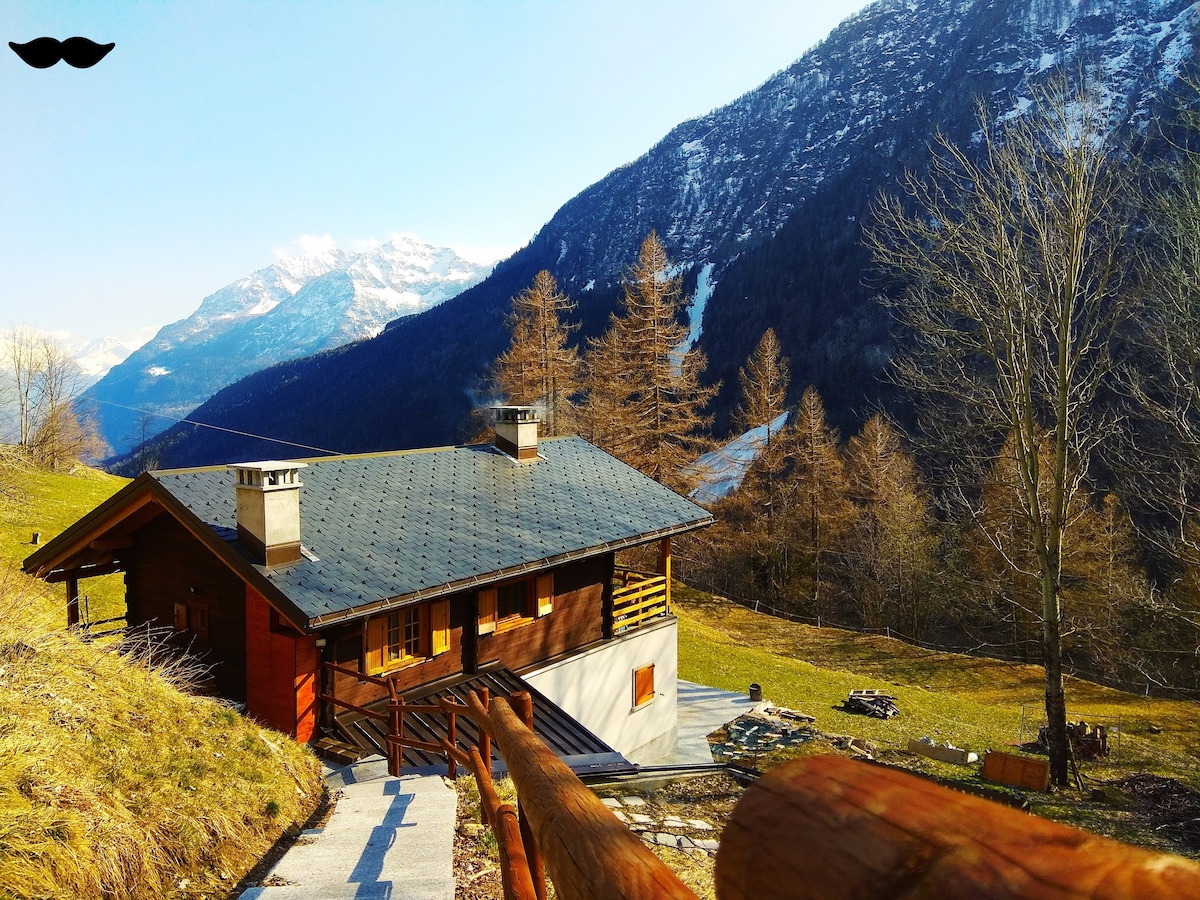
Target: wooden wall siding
[
  {"x": 281, "y": 673},
  {"x": 576, "y": 620},
  {"x": 168, "y": 566},
  {"x": 347, "y": 644}
]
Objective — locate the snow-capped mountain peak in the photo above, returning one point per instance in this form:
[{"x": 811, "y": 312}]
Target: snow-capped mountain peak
[{"x": 296, "y": 306}]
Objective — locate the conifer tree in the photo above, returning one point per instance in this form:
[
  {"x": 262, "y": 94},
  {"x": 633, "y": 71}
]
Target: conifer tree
[
  {"x": 816, "y": 503},
  {"x": 1105, "y": 592},
  {"x": 540, "y": 368},
  {"x": 645, "y": 402},
  {"x": 894, "y": 541},
  {"x": 764, "y": 380}
]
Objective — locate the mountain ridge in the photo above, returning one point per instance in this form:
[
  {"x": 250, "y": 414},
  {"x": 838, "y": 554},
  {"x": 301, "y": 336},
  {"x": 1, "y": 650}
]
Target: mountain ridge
[{"x": 766, "y": 196}]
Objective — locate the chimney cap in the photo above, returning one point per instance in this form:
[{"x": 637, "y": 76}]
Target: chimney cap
[
  {"x": 268, "y": 474},
  {"x": 270, "y": 465},
  {"x": 516, "y": 414}
]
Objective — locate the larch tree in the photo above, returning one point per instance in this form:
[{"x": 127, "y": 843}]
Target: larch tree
[
  {"x": 540, "y": 367},
  {"x": 1013, "y": 265},
  {"x": 893, "y": 542},
  {"x": 765, "y": 379},
  {"x": 817, "y": 499},
  {"x": 645, "y": 402}
]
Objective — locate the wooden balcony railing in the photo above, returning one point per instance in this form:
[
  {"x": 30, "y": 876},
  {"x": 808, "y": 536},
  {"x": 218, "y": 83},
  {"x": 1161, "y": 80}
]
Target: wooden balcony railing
[{"x": 638, "y": 598}]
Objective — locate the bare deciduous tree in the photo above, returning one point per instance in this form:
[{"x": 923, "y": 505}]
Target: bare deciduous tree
[
  {"x": 45, "y": 382},
  {"x": 1013, "y": 266}
]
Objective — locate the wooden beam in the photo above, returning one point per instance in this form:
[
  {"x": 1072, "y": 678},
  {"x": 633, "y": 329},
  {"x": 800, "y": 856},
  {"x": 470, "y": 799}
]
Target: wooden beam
[
  {"x": 664, "y": 565},
  {"x": 824, "y": 826},
  {"x": 88, "y": 571},
  {"x": 106, "y": 544},
  {"x": 72, "y": 601}
]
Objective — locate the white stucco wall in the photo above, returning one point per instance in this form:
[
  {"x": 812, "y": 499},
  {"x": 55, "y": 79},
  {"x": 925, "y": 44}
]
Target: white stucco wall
[{"x": 596, "y": 687}]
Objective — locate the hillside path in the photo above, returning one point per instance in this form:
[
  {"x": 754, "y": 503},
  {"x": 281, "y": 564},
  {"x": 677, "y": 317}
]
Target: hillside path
[{"x": 387, "y": 838}]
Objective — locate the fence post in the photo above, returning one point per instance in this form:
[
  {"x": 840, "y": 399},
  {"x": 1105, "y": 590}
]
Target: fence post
[
  {"x": 396, "y": 735},
  {"x": 452, "y": 737},
  {"x": 485, "y": 739},
  {"x": 522, "y": 705}
]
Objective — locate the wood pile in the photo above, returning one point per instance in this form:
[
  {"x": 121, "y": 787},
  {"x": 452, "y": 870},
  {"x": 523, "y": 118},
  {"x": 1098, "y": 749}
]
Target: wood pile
[{"x": 876, "y": 704}]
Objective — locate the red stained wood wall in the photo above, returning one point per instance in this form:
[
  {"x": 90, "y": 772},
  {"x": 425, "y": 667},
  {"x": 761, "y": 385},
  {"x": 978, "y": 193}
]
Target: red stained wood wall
[{"x": 281, "y": 672}]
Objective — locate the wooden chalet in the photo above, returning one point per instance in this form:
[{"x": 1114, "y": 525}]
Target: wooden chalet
[{"x": 333, "y": 576}]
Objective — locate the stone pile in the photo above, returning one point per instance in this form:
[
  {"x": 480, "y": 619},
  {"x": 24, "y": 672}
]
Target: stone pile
[
  {"x": 668, "y": 831},
  {"x": 757, "y": 733}
]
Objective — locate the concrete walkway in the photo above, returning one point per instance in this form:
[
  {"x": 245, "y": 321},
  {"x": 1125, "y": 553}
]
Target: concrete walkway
[
  {"x": 388, "y": 838},
  {"x": 701, "y": 710}
]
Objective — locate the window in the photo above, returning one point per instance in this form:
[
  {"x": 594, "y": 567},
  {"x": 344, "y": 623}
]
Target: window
[
  {"x": 407, "y": 635},
  {"x": 192, "y": 617},
  {"x": 403, "y": 635},
  {"x": 515, "y": 603},
  {"x": 512, "y": 600},
  {"x": 643, "y": 685}
]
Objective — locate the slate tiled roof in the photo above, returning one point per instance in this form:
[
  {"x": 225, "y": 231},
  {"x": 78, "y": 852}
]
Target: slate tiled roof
[{"x": 409, "y": 525}]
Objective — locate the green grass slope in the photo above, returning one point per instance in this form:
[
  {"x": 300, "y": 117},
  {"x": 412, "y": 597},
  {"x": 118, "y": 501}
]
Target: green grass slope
[{"x": 971, "y": 702}]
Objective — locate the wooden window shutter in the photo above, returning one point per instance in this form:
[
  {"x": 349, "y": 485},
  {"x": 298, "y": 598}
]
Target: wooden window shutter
[
  {"x": 643, "y": 685},
  {"x": 376, "y": 637},
  {"x": 181, "y": 617},
  {"x": 545, "y": 594},
  {"x": 487, "y": 610},
  {"x": 439, "y": 615}
]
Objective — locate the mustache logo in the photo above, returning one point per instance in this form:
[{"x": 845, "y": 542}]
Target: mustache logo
[{"x": 43, "y": 52}]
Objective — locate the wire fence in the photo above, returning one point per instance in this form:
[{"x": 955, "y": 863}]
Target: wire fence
[{"x": 990, "y": 651}]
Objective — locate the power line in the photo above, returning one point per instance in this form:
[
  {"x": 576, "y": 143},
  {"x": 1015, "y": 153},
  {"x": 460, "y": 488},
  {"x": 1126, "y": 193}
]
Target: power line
[{"x": 248, "y": 434}]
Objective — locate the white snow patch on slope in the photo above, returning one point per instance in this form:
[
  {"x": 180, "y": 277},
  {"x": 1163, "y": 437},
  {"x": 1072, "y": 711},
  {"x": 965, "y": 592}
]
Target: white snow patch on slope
[
  {"x": 721, "y": 471},
  {"x": 695, "y": 312}
]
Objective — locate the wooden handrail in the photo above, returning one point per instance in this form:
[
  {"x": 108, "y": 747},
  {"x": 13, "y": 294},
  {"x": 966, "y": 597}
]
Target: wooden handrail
[
  {"x": 588, "y": 852},
  {"x": 825, "y": 826},
  {"x": 345, "y": 704},
  {"x": 354, "y": 673},
  {"x": 515, "y": 874}
]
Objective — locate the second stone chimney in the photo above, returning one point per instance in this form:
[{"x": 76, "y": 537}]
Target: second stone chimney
[
  {"x": 268, "y": 510},
  {"x": 517, "y": 431}
]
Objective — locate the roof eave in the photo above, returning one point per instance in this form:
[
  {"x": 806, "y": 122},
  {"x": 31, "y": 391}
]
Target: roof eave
[{"x": 479, "y": 581}]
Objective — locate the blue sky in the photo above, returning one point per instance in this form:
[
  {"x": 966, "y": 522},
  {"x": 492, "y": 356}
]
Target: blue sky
[{"x": 219, "y": 135}]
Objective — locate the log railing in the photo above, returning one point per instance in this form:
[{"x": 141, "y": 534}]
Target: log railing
[
  {"x": 564, "y": 829},
  {"x": 638, "y": 597},
  {"x": 821, "y": 826},
  {"x": 395, "y": 740},
  {"x": 826, "y": 826}
]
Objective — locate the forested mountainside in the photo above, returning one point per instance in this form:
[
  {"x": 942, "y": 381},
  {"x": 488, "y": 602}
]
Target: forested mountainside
[{"x": 765, "y": 198}]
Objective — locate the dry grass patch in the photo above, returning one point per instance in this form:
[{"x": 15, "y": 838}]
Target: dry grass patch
[{"x": 115, "y": 783}]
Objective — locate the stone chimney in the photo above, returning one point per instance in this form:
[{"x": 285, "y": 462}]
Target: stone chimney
[
  {"x": 517, "y": 431},
  {"x": 268, "y": 510}
]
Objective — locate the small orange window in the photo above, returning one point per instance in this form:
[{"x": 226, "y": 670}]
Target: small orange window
[{"x": 643, "y": 685}]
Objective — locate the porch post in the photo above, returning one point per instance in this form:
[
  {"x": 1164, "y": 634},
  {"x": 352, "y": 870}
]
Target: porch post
[
  {"x": 664, "y": 565},
  {"x": 72, "y": 601}
]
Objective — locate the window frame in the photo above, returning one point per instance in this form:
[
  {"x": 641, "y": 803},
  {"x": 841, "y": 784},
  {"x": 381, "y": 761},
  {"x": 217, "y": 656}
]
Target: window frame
[
  {"x": 405, "y": 636},
  {"x": 643, "y": 686},
  {"x": 537, "y": 603}
]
